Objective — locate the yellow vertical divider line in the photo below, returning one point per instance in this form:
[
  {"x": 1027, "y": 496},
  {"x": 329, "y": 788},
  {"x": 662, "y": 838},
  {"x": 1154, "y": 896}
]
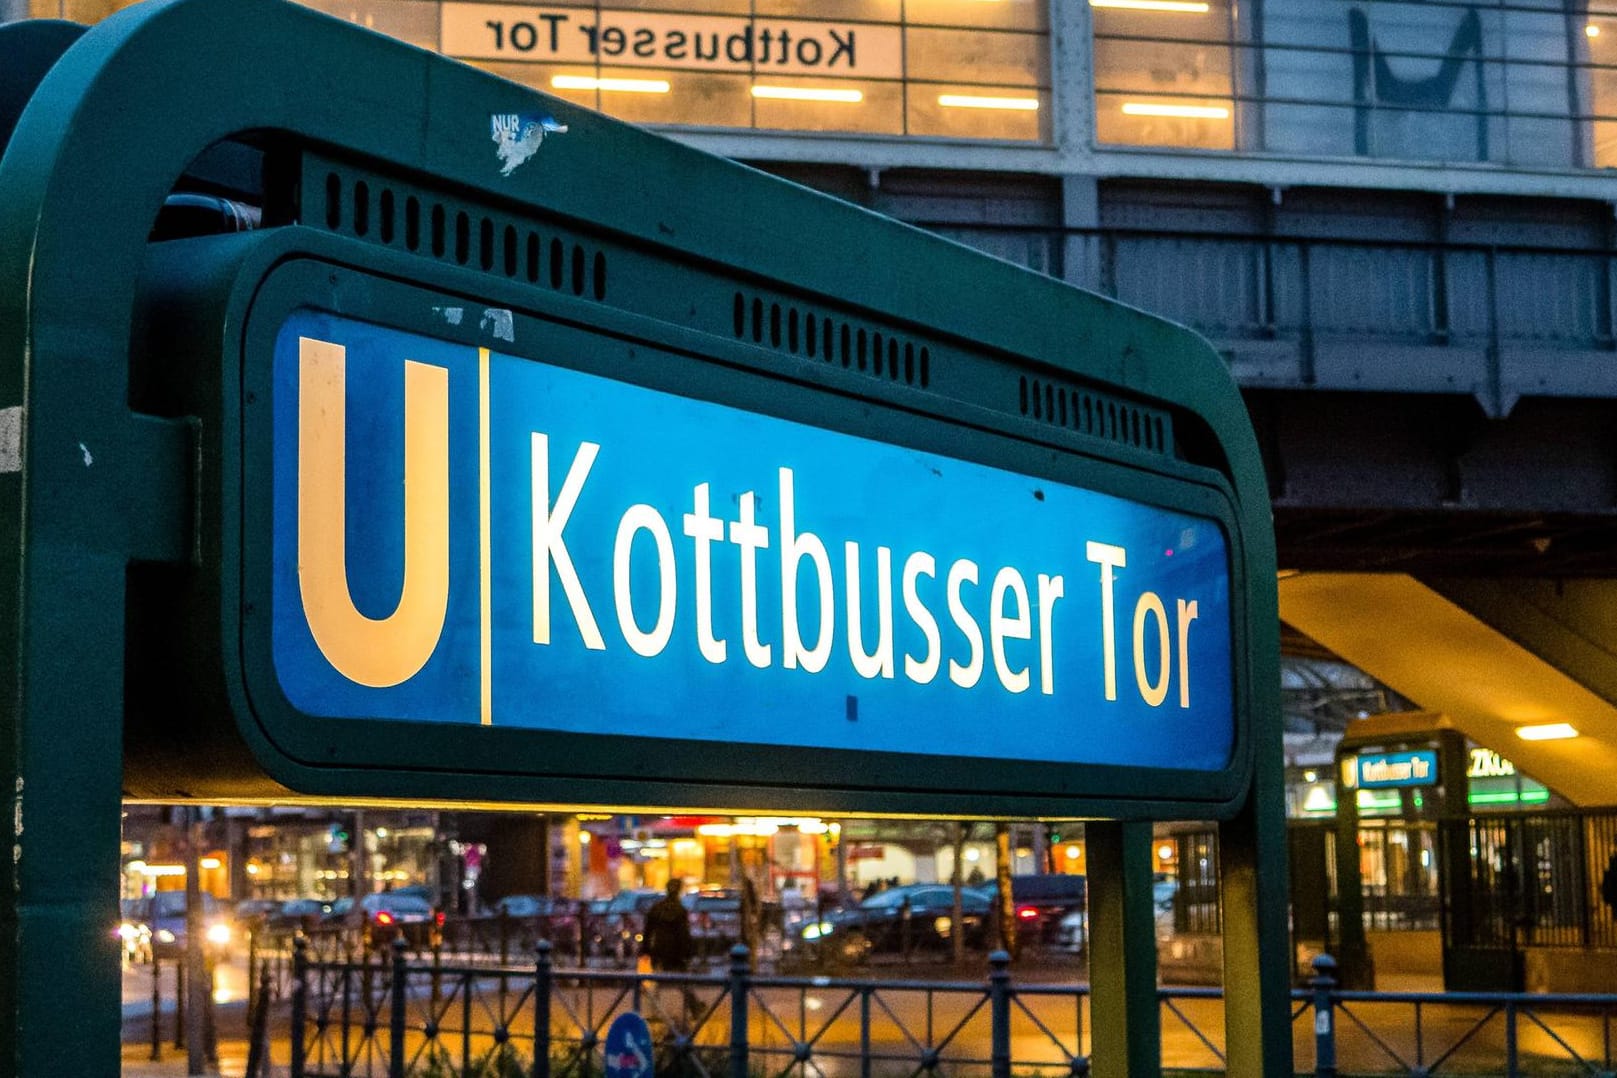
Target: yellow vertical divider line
[{"x": 484, "y": 541}]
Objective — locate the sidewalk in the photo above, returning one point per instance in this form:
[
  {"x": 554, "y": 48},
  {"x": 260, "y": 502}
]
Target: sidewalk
[{"x": 137, "y": 1062}]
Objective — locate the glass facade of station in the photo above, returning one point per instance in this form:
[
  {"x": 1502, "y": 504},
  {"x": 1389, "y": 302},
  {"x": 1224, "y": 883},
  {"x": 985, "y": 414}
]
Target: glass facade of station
[
  {"x": 1518, "y": 83},
  {"x": 1528, "y": 84}
]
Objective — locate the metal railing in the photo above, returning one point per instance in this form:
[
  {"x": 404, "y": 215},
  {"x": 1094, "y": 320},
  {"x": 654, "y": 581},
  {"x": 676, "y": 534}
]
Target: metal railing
[
  {"x": 386, "y": 1016},
  {"x": 1521, "y": 308}
]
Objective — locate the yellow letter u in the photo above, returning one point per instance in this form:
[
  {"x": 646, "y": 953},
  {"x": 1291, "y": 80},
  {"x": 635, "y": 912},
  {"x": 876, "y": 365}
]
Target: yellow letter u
[{"x": 371, "y": 651}]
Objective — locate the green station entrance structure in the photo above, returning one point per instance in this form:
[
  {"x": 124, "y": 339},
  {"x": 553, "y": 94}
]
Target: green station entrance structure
[{"x": 376, "y": 430}]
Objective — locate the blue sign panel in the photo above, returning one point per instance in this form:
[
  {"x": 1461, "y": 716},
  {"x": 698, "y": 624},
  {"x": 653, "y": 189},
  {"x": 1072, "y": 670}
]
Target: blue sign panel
[
  {"x": 628, "y": 1048},
  {"x": 1398, "y": 769},
  {"x": 466, "y": 536}
]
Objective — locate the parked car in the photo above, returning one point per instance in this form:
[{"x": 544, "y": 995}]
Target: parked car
[
  {"x": 1072, "y": 933},
  {"x": 1040, "y": 901},
  {"x": 134, "y": 934},
  {"x": 299, "y": 914},
  {"x": 253, "y": 914},
  {"x": 523, "y": 920},
  {"x": 389, "y": 915},
  {"x": 617, "y": 929},
  {"x": 535, "y": 906},
  {"x": 1163, "y": 892},
  {"x": 715, "y": 919},
  {"x": 165, "y": 918},
  {"x": 917, "y": 917}
]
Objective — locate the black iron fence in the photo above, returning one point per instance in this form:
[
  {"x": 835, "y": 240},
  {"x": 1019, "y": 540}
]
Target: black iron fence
[
  {"x": 388, "y": 1017},
  {"x": 1537, "y": 880}
]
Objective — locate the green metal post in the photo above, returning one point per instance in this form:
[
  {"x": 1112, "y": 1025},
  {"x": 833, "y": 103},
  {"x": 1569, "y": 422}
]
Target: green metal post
[
  {"x": 1127, "y": 1027},
  {"x": 83, "y": 494},
  {"x": 999, "y": 1014},
  {"x": 1253, "y": 852},
  {"x": 1252, "y": 857},
  {"x": 40, "y": 909},
  {"x": 740, "y": 986},
  {"x": 1352, "y": 948},
  {"x": 1454, "y": 869}
]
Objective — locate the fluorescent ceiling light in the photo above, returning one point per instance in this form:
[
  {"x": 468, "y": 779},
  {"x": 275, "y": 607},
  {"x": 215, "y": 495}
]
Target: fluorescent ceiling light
[
  {"x": 1188, "y": 112},
  {"x": 803, "y": 93},
  {"x": 1509, "y": 797},
  {"x": 971, "y": 101},
  {"x": 589, "y": 82},
  {"x": 1188, "y": 7},
  {"x": 1548, "y": 731}
]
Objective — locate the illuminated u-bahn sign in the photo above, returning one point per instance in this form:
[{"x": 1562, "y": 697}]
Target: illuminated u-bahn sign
[
  {"x": 469, "y": 536},
  {"x": 1388, "y": 769}
]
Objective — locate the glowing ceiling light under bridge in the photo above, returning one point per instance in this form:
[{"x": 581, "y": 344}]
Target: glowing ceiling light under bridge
[
  {"x": 1549, "y": 731},
  {"x": 589, "y": 82},
  {"x": 974, "y": 101},
  {"x": 1183, "y": 7},
  {"x": 804, "y": 93},
  {"x": 1184, "y": 112}
]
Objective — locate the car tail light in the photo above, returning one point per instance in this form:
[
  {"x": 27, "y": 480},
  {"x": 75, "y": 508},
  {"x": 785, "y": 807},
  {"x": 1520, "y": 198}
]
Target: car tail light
[
  {"x": 384, "y": 918},
  {"x": 1027, "y": 913}
]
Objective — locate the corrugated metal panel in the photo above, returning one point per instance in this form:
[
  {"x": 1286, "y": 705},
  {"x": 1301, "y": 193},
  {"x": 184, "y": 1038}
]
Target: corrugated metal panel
[{"x": 1209, "y": 284}]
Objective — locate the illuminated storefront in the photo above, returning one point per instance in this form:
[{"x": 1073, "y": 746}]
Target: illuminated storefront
[
  {"x": 1401, "y": 801},
  {"x": 1493, "y": 783},
  {"x": 777, "y": 854}
]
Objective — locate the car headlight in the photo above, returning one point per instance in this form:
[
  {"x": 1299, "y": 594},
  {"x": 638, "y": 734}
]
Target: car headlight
[
  {"x": 219, "y": 933},
  {"x": 818, "y": 930},
  {"x": 164, "y": 936},
  {"x": 127, "y": 931}
]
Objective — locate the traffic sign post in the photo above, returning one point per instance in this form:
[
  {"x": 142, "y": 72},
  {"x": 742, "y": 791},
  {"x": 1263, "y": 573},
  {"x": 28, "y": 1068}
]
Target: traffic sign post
[
  {"x": 628, "y": 1049},
  {"x": 525, "y": 457}
]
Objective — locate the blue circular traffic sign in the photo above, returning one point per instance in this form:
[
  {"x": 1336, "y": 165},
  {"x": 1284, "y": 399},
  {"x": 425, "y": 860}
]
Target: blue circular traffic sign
[{"x": 628, "y": 1047}]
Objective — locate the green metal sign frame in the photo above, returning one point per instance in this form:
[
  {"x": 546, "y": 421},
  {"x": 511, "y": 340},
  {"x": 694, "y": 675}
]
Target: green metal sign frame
[
  {"x": 121, "y": 393},
  {"x": 281, "y": 270}
]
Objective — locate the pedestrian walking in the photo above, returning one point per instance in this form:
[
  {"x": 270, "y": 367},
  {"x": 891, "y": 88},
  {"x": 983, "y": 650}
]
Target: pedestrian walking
[
  {"x": 667, "y": 942},
  {"x": 667, "y": 939}
]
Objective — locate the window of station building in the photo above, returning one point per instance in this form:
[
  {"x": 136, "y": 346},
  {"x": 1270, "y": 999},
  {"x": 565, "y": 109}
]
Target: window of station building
[
  {"x": 1599, "y": 53},
  {"x": 1523, "y": 83},
  {"x": 975, "y": 69},
  {"x": 1165, "y": 73}
]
